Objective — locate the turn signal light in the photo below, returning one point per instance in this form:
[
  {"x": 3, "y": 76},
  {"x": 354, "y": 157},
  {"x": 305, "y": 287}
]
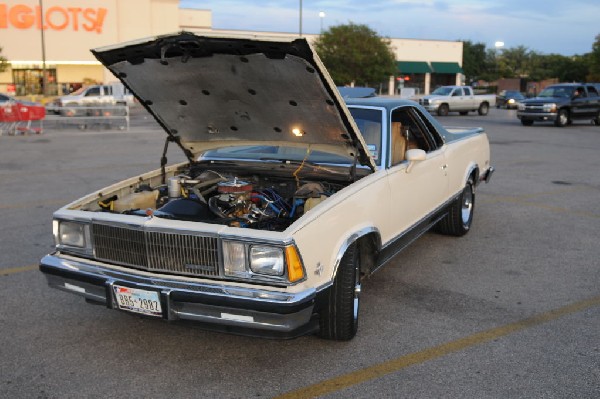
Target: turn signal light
[{"x": 294, "y": 264}]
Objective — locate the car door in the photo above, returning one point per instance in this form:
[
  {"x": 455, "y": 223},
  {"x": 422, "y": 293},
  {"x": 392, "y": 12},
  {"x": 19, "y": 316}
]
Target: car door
[
  {"x": 92, "y": 96},
  {"x": 416, "y": 192},
  {"x": 593, "y": 102},
  {"x": 469, "y": 100},
  {"x": 579, "y": 103},
  {"x": 456, "y": 99}
]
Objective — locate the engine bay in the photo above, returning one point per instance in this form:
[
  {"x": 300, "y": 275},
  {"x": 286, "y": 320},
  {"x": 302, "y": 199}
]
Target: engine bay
[{"x": 210, "y": 195}]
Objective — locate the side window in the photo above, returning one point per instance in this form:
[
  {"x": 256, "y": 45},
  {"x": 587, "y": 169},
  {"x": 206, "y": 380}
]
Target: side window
[
  {"x": 433, "y": 132},
  {"x": 3, "y": 99},
  {"x": 93, "y": 91},
  {"x": 457, "y": 93},
  {"x": 408, "y": 132},
  {"x": 592, "y": 92},
  {"x": 108, "y": 90},
  {"x": 468, "y": 91}
]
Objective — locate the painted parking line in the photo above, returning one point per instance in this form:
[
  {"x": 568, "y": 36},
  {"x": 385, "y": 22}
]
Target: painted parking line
[
  {"x": 397, "y": 364},
  {"x": 15, "y": 270}
]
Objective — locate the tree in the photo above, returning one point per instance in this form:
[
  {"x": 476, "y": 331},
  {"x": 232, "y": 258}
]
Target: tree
[
  {"x": 594, "y": 62},
  {"x": 515, "y": 62},
  {"x": 474, "y": 60},
  {"x": 3, "y": 62},
  {"x": 355, "y": 53}
]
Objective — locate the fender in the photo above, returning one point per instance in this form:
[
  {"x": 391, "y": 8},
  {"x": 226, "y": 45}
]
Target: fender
[{"x": 349, "y": 241}]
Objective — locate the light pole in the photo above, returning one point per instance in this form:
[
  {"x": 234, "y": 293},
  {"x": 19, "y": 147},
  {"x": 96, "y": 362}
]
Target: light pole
[
  {"x": 321, "y": 16},
  {"x": 300, "y": 22},
  {"x": 499, "y": 45},
  {"x": 44, "y": 78}
]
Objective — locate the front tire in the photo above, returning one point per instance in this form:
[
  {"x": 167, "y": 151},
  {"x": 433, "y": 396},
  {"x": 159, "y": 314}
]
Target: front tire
[
  {"x": 339, "y": 316},
  {"x": 597, "y": 119},
  {"x": 443, "y": 110},
  {"x": 483, "y": 109},
  {"x": 459, "y": 218},
  {"x": 562, "y": 119}
]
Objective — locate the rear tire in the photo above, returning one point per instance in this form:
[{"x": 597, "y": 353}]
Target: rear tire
[
  {"x": 339, "y": 316},
  {"x": 562, "y": 119},
  {"x": 526, "y": 122},
  {"x": 443, "y": 110},
  {"x": 459, "y": 218},
  {"x": 483, "y": 109}
]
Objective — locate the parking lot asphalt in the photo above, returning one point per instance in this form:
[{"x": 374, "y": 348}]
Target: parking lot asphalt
[{"x": 511, "y": 310}]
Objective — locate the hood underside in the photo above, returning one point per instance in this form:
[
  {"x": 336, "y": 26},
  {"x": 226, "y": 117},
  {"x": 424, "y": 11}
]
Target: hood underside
[{"x": 204, "y": 89}]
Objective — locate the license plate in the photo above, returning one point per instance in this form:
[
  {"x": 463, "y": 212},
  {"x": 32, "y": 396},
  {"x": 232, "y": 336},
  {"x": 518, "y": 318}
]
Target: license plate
[{"x": 138, "y": 301}]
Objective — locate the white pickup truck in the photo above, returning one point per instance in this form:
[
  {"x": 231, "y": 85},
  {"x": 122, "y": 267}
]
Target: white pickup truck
[
  {"x": 91, "y": 96},
  {"x": 459, "y": 99}
]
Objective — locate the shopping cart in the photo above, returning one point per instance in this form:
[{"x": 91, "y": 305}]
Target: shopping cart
[{"x": 21, "y": 117}]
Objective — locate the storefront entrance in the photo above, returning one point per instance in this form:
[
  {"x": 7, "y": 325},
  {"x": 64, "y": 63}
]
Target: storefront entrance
[{"x": 31, "y": 82}]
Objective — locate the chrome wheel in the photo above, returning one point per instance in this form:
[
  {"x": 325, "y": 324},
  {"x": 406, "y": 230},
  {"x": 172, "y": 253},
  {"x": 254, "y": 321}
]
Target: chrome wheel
[
  {"x": 467, "y": 206},
  {"x": 357, "y": 290}
]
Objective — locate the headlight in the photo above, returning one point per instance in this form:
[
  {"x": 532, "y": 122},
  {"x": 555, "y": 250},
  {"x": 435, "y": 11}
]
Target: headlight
[
  {"x": 71, "y": 234},
  {"x": 266, "y": 260},
  {"x": 551, "y": 107},
  {"x": 511, "y": 101}
]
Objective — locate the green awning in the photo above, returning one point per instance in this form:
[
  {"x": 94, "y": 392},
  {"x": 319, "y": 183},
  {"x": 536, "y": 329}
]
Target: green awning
[
  {"x": 446, "y": 67},
  {"x": 413, "y": 67}
]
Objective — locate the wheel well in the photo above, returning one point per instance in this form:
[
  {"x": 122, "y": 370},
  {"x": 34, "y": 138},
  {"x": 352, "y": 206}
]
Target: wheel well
[
  {"x": 484, "y": 103},
  {"x": 368, "y": 248},
  {"x": 474, "y": 175}
]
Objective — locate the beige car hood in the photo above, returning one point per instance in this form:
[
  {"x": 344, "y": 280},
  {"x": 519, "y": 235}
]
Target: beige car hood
[{"x": 207, "y": 88}]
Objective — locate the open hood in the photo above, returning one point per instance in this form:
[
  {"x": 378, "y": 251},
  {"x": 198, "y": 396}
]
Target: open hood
[{"x": 207, "y": 89}]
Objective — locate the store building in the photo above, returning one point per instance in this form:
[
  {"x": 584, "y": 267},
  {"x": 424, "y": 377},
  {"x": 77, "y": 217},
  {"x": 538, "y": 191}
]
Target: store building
[{"x": 72, "y": 27}]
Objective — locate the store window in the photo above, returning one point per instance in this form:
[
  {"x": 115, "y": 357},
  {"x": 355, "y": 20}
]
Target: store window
[{"x": 31, "y": 82}]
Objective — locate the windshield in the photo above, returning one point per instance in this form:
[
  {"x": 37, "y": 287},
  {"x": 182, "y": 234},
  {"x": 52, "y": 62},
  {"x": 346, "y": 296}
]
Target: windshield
[
  {"x": 442, "y": 91},
  {"x": 556, "y": 91},
  {"x": 266, "y": 152},
  {"x": 369, "y": 123}
]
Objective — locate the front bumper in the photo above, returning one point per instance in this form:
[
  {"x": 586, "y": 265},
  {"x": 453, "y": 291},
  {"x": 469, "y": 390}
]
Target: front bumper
[
  {"x": 537, "y": 116},
  {"x": 216, "y": 306},
  {"x": 431, "y": 107}
]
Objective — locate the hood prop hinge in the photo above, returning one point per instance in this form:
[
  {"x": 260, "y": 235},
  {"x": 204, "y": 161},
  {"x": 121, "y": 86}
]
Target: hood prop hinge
[
  {"x": 353, "y": 168},
  {"x": 163, "y": 159}
]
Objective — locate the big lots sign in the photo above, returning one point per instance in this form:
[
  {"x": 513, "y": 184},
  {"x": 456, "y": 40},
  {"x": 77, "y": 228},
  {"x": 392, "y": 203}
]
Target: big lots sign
[{"x": 23, "y": 16}]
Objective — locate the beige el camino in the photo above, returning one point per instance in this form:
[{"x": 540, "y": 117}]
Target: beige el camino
[{"x": 291, "y": 194}]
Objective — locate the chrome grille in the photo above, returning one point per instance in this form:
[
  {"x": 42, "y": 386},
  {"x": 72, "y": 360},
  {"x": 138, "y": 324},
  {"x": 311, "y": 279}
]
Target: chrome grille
[{"x": 183, "y": 254}]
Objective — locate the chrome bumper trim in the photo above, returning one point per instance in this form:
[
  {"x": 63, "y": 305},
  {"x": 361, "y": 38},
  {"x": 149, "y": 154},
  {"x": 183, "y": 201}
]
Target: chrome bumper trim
[
  {"x": 487, "y": 176},
  {"x": 217, "y": 303},
  {"x": 547, "y": 116}
]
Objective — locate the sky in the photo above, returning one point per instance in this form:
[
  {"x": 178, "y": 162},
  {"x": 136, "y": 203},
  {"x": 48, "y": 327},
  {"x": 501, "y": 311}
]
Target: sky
[{"x": 566, "y": 27}]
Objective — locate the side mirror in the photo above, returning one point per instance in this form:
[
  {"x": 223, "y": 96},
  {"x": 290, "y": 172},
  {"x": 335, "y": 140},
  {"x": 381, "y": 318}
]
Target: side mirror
[{"x": 414, "y": 155}]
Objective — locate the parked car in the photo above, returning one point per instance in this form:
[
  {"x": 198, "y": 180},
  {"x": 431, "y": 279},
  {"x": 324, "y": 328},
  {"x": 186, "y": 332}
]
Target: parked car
[
  {"x": 509, "y": 99},
  {"x": 289, "y": 199},
  {"x": 459, "y": 99},
  {"x": 91, "y": 98},
  {"x": 562, "y": 104}
]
